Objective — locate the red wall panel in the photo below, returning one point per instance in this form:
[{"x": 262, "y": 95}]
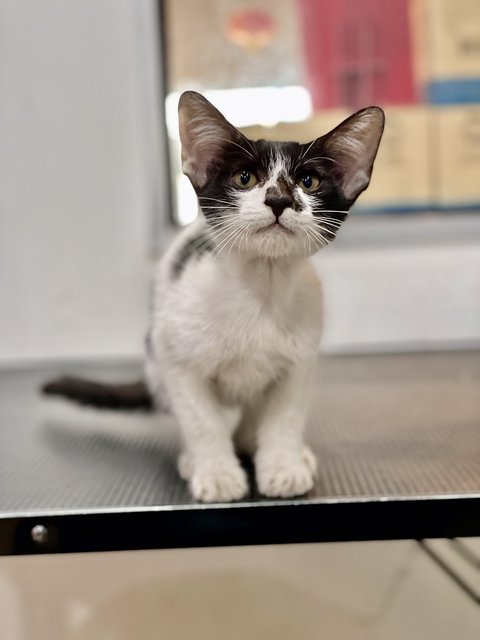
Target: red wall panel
[{"x": 357, "y": 52}]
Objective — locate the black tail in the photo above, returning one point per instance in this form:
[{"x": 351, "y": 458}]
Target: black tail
[{"x": 127, "y": 397}]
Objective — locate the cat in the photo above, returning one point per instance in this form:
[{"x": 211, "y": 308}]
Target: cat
[{"x": 237, "y": 307}]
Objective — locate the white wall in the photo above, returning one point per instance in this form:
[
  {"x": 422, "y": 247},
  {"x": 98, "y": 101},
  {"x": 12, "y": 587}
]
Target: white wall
[
  {"x": 394, "y": 298},
  {"x": 81, "y": 176},
  {"x": 75, "y": 177}
]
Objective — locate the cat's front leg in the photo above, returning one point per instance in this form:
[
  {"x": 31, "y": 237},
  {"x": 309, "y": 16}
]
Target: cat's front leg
[
  {"x": 284, "y": 465},
  {"x": 208, "y": 462}
]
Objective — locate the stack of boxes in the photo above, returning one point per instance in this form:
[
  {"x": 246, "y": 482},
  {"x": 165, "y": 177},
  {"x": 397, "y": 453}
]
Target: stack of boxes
[
  {"x": 362, "y": 52},
  {"x": 453, "y": 90},
  {"x": 420, "y": 60}
]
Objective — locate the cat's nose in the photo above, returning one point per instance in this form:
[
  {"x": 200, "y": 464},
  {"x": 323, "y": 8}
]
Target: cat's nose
[{"x": 278, "y": 203}]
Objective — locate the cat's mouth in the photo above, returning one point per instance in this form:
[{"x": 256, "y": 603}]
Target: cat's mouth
[{"x": 276, "y": 227}]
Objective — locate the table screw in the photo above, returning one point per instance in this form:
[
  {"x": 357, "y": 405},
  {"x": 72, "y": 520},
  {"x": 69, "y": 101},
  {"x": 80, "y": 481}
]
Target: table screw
[{"x": 39, "y": 534}]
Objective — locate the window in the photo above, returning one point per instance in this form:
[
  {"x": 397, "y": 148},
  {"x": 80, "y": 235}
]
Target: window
[{"x": 293, "y": 69}]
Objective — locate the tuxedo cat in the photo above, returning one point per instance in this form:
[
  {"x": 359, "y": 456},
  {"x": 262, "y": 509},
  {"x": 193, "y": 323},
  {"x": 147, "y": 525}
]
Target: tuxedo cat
[{"x": 236, "y": 313}]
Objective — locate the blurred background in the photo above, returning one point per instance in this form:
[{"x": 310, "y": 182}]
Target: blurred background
[
  {"x": 90, "y": 183},
  {"x": 292, "y": 69}
]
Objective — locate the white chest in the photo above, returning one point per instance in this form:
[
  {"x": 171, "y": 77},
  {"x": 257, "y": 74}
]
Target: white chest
[
  {"x": 238, "y": 333},
  {"x": 254, "y": 351}
]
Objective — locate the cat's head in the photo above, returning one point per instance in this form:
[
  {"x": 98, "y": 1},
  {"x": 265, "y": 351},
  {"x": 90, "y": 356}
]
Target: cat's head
[{"x": 275, "y": 199}]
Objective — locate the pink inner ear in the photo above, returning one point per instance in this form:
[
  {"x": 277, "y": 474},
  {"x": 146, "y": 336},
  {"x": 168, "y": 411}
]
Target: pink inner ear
[
  {"x": 203, "y": 133},
  {"x": 200, "y": 145},
  {"x": 354, "y": 144},
  {"x": 197, "y": 156}
]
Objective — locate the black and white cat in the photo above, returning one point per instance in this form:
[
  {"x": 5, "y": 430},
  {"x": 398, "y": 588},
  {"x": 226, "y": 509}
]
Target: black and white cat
[{"x": 237, "y": 310}]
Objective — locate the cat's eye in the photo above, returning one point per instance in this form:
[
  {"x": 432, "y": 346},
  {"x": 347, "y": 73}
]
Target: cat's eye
[
  {"x": 308, "y": 182},
  {"x": 245, "y": 179}
]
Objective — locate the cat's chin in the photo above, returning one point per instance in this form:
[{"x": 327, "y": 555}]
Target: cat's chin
[
  {"x": 276, "y": 242},
  {"x": 275, "y": 227}
]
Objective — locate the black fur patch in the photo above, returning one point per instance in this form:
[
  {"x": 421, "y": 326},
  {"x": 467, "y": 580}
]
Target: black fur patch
[
  {"x": 149, "y": 344},
  {"x": 194, "y": 247}
]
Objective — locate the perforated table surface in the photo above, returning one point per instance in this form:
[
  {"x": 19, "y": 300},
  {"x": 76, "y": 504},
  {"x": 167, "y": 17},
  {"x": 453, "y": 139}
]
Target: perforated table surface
[{"x": 397, "y": 440}]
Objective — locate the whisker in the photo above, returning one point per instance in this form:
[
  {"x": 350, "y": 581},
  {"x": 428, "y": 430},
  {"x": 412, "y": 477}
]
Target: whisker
[
  {"x": 306, "y": 151},
  {"x": 214, "y": 199},
  {"x": 324, "y": 229},
  {"x": 248, "y": 235},
  {"x": 241, "y": 229},
  {"x": 219, "y": 218},
  {"x": 221, "y": 228},
  {"x": 329, "y": 210},
  {"x": 318, "y": 236},
  {"x": 237, "y": 145},
  {"x": 324, "y": 217},
  {"x": 217, "y": 207},
  {"x": 224, "y": 242},
  {"x": 321, "y": 158},
  {"x": 330, "y": 223},
  {"x": 224, "y": 229},
  {"x": 217, "y": 203},
  {"x": 305, "y": 235},
  {"x": 310, "y": 233},
  {"x": 249, "y": 142},
  {"x": 221, "y": 221},
  {"x": 231, "y": 239}
]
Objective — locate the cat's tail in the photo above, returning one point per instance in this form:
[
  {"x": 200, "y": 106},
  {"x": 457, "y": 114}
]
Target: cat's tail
[{"x": 132, "y": 396}]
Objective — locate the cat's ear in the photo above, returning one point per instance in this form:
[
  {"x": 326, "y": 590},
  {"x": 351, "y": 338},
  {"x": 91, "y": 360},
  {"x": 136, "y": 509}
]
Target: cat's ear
[
  {"x": 204, "y": 132},
  {"x": 353, "y": 145}
]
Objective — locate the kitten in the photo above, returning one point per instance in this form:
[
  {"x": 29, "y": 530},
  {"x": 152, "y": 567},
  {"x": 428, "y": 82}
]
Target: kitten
[{"x": 237, "y": 311}]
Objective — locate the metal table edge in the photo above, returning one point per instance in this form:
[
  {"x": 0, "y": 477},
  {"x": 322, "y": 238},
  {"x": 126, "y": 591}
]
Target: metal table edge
[{"x": 238, "y": 524}]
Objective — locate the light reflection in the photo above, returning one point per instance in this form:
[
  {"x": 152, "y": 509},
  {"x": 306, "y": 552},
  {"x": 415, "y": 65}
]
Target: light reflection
[
  {"x": 249, "y": 106},
  {"x": 187, "y": 206}
]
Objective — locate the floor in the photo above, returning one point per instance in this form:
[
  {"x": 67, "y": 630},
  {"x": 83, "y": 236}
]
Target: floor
[{"x": 354, "y": 591}]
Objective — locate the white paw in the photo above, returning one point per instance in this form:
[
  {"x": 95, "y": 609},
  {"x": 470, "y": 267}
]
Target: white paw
[
  {"x": 219, "y": 480},
  {"x": 284, "y": 475}
]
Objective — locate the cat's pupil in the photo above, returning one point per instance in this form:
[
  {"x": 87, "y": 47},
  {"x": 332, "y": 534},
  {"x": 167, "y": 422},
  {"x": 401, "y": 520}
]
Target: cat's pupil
[
  {"x": 245, "y": 178},
  {"x": 307, "y": 182}
]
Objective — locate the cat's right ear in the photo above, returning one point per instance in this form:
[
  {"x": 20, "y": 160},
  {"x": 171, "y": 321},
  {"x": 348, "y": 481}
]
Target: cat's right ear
[
  {"x": 203, "y": 134},
  {"x": 353, "y": 145}
]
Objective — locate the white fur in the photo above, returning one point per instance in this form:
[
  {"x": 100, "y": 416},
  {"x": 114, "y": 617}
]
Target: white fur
[{"x": 234, "y": 340}]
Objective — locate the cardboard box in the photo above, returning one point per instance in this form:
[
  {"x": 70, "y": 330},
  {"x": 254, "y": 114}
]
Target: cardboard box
[
  {"x": 452, "y": 41},
  {"x": 456, "y": 157},
  {"x": 454, "y": 38}
]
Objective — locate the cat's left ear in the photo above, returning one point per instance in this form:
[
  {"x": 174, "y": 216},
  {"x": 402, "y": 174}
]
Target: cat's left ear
[
  {"x": 204, "y": 133},
  {"x": 353, "y": 145}
]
